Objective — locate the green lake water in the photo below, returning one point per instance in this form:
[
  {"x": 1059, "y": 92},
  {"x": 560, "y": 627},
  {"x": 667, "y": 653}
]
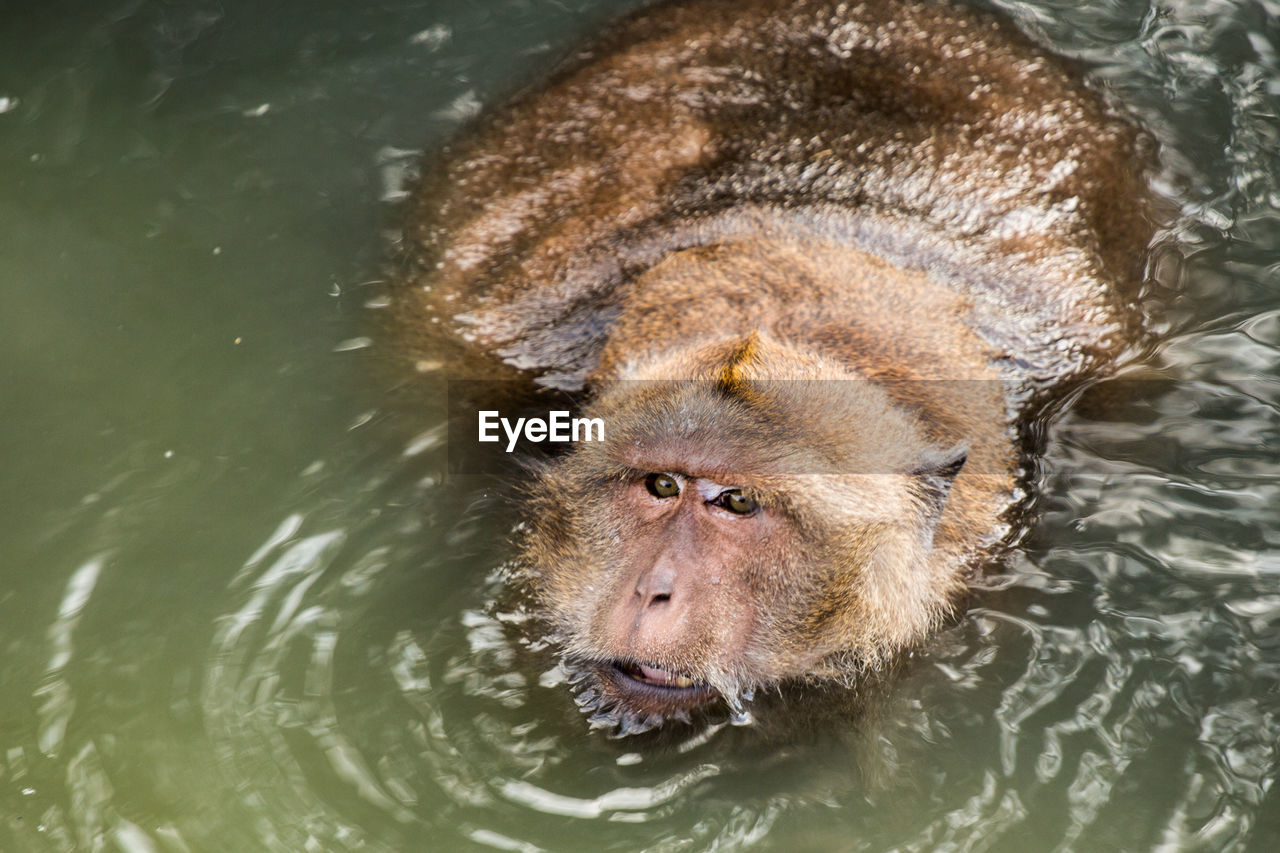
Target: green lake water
[{"x": 242, "y": 609}]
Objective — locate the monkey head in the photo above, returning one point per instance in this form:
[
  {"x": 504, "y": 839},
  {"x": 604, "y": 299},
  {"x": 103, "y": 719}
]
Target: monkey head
[{"x": 771, "y": 519}]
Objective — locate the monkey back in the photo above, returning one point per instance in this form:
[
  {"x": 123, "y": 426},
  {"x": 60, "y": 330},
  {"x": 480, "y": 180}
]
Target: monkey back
[{"x": 934, "y": 137}]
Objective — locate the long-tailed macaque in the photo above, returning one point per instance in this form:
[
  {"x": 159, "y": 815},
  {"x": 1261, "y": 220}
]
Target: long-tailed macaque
[{"x": 816, "y": 265}]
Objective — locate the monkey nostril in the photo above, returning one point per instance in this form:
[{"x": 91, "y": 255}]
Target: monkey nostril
[
  {"x": 655, "y": 588},
  {"x": 648, "y": 598}
]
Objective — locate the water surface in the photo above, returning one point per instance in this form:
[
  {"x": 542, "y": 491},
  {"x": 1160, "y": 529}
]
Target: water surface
[{"x": 242, "y": 609}]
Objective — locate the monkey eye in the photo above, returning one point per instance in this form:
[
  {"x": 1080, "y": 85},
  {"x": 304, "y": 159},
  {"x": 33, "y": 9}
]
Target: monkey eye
[
  {"x": 662, "y": 485},
  {"x": 736, "y": 502}
]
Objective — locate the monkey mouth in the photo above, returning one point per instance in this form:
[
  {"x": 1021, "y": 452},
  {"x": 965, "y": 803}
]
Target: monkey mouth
[
  {"x": 656, "y": 676},
  {"x": 630, "y": 697},
  {"x": 643, "y": 686}
]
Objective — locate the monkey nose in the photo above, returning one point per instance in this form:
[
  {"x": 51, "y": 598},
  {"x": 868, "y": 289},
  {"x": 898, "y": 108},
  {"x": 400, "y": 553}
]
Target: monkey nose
[{"x": 656, "y": 586}]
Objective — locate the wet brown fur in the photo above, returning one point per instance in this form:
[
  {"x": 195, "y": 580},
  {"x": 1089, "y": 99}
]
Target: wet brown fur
[{"x": 808, "y": 249}]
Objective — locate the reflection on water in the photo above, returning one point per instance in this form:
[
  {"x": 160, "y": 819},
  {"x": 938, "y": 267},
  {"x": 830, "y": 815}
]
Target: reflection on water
[{"x": 243, "y": 609}]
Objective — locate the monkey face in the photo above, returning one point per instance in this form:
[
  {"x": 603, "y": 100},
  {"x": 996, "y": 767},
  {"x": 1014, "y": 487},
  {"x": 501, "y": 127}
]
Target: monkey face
[
  {"x": 710, "y": 547},
  {"x": 678, "y": 618}
]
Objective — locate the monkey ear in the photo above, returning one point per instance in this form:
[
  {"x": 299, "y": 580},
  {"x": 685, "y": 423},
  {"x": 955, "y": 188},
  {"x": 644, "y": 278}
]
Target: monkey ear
[{"x": 935, "y": 474}]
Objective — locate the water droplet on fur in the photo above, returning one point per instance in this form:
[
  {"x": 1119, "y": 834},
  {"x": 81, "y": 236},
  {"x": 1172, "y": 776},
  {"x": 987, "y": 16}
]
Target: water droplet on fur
[{"x": 634, "y": 725}]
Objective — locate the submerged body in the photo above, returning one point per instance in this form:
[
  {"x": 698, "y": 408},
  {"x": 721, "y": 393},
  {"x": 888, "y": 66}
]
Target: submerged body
[{"x": 812, "y": 264}]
